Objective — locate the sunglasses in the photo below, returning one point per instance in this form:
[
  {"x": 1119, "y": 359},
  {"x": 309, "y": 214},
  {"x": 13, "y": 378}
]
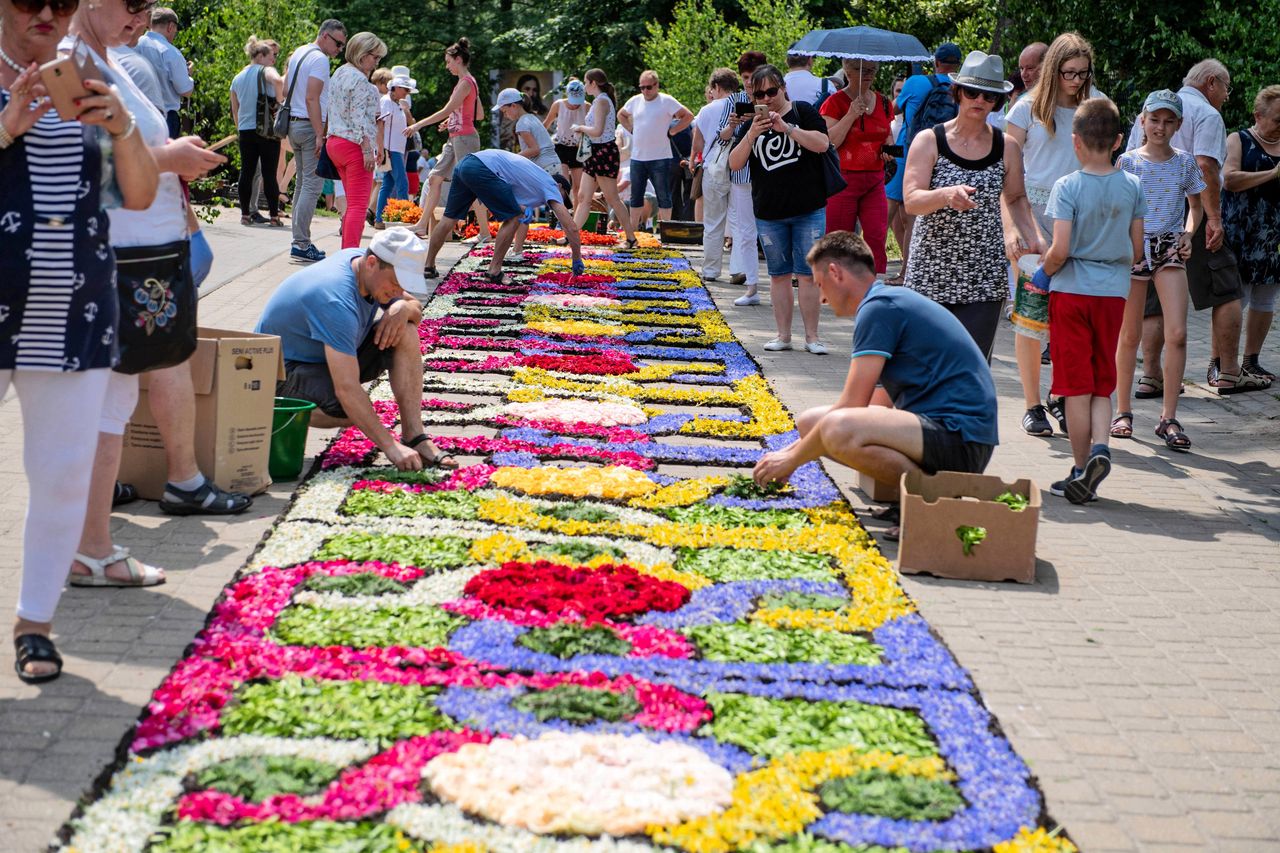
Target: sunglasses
[
  {"x": 771, "y": 92},
  {"x": 61, "y": 8},
  {"x": 974, "y": 94},
  {"x": 644, "y": 87},
  {"x": 1076, "y": 75},
  {"x": 341, "y": 45}
]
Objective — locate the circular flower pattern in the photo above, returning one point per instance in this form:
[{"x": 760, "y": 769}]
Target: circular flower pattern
[{"x": 581, "y": 783}]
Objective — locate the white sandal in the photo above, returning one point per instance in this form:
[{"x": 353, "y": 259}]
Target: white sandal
[{"x": 140, "y": 574}]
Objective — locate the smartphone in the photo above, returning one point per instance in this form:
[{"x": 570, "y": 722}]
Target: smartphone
[
  {"x": 892, "y": 150},
  {"x": 64, "y": 79},
  {"x": 742, "y": 108},
  {"x": 223, "y": 142},
  {"x": 762, "y": 109}
]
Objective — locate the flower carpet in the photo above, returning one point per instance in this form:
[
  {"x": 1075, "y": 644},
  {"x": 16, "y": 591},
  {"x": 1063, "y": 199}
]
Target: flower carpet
[{"x": 596, "y": 634}]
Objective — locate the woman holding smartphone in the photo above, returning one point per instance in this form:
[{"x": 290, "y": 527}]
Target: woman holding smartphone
[{"x": 65, "y": 293}]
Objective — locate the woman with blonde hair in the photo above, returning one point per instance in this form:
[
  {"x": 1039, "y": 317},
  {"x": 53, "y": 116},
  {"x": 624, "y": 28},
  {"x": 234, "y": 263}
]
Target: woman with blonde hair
[
  {"x": 259, "y": 76},
  {"x": 354, "y": 144},
  {"x": 1040, "y": 122}
]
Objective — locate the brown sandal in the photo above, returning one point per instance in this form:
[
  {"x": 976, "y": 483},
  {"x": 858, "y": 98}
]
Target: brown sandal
[
  {"x": 1175, "y": 437},
  {"x": 1118, "y": 430}
]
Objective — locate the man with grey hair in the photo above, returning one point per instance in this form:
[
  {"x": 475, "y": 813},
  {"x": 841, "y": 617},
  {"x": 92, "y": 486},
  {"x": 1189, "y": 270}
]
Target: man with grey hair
[
  {"x": 172, "y": 68},
  {"x": 652, "y": 117},
  {"x": 305, "y": 83},
  {"x": 1212, "y": 276}
]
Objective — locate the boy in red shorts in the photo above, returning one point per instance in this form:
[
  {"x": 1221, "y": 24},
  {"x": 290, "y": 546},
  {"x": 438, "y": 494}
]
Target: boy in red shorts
[{"x": 1097, "y": 237}]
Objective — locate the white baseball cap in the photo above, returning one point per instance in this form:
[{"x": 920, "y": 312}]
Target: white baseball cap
[
  {"x": 406, "y": 253},
  {"x": 507, "y": 97},
  {"x": 405, "y": 83}
]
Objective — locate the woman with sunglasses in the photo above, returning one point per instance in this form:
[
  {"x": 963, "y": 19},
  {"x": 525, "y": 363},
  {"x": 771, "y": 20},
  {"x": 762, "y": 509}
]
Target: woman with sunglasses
[
  {"x": 59, "y": 320},
  {"x": 1041, "y": 123},
  {"x": 958, "y": 179},
  {"x": 354, "y": 142},
  {"x": 784, "y": 144}
]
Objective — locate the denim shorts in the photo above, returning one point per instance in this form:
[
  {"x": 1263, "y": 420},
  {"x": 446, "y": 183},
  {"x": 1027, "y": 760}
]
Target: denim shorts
[
  {"x": 657, "y": 171},
  {"x": 472, "y": 180},
  {"x": 787, "y": 241}
]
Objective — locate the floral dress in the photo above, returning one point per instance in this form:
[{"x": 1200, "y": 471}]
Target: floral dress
[
  {"x": 957, "y": 256},
  {"x": 1251, "y": 218},
  {"x": 58, "y": 304}
]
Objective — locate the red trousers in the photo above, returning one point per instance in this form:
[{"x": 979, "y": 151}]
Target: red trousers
[
  {"x": 357, "y": 183},
  {"x": 863, "y": 203}
]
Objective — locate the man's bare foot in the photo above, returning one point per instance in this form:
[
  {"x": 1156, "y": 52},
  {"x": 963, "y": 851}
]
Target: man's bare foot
[{"x": 43, "y": 629}]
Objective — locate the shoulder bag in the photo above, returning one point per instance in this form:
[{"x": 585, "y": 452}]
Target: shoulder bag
[
  {"x": 157, "y": 306},
  {"x": 835, "y": 181},
  {"x": 267, "y": 110},
  {"x": 283, "y": 115}
]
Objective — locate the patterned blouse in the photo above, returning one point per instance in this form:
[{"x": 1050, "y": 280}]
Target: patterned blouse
[{"x": 353, "y": 106}]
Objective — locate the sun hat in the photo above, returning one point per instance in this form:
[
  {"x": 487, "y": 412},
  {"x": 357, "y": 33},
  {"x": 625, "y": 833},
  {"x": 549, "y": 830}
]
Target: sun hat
[
  {"x": 405, "y": 83},
  {"x": 406, "y": 253},
  {"x": 400, "y": 71},
  {"x": 948, "y": 52},
  {"x": 575, "y": 92},
  {"x": 1163, "y": 99},
  {"x": 506, "y": 98},
  {"x": 984, "y": 72}
]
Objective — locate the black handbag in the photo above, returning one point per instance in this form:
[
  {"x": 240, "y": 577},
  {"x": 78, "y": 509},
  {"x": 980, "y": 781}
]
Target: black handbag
[
  {"x": 157, "y": 306},
  {"x": 324, "y": 166},
  {"x": 267, "y": 109},
  {"x": 831, "y": 171}
]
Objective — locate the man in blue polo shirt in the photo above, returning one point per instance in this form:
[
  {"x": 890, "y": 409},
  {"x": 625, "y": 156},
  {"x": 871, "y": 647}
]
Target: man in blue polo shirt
[
  {"x": 511, "y": 186},
  {"x": 344, "y": 321},
  {"x": 944, "y": 415}
]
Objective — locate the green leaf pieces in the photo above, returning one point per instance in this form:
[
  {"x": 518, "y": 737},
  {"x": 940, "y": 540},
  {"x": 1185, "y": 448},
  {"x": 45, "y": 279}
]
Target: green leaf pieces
[
  {"x": 566, "y": 641},
  {"x": 442, "y": 552},
  {"x": 425, "y": 477},
  {"x": 969, "y": 537},
  {"x": 741, "y": 486},
  {"x": 803, "y": 601},
  {"x": 307, "y": 625},
  {"x": 889, "y": 795},
  {"x": 761, "y": 644},
  {"x": 276, "y": 837},
  {"x": 365, "y": 583},
  {"x": 580, "y": 551},
  {"x": 577, "y": 512},
  {"x": 296, "y": 707},
  {"x": 459, "y": 505},
  {"x": 742, "y": 564},
  {"x": 806, "y": 843},
  {"x": 1014, "y": 501},
  {"x": 253, "y": 778},
  {"x": 776, "y": 727},
  {"x": 575, "y": 704},
  {"x": 736, "y": 516}
]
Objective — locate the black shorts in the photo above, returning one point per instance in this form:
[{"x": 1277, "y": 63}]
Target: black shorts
[
  {"x": 313, "y": 382},
  {"x": 568, "y": 155},
  {"x": 945, "y": 450},
  {"x": 1212, "y": 277},
  {"x": 605, "y": 160}
]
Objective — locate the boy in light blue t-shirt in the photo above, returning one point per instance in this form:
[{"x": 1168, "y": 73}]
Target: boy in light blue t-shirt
[{"x": 1097, "y": 237}]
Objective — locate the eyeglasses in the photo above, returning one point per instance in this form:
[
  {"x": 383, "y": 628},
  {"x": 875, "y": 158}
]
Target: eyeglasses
[
  {"x": 133, "y": 7},
  {"x": 1076, "y": 75},
  {"x": 340, "y": 45},
  {"x": 1226, "y": 87},
  {"x": 974, "y": 94},
  {"x": 61, "y": 8},
  {"x": 644, "y": 87},
  {"x": 771, "y": 92}
]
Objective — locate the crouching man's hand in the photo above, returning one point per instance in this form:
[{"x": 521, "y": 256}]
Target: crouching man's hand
[{"x": 774, "y": 467}]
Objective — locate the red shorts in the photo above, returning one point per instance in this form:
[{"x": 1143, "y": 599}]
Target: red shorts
[{"x": 1082, "y": 343}]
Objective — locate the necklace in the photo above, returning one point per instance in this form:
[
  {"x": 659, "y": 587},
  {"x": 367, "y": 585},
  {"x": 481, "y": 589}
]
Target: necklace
[
  {"x": 9, "y": 61},
  {"x": 1253, "y": 130}
]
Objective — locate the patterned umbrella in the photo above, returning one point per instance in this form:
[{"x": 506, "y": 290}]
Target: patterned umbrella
[{"x": 867, "y": 43}]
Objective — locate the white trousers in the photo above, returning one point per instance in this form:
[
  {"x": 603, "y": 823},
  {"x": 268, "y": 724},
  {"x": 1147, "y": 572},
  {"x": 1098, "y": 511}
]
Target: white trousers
[
  {"x": 729, "y": 206},
  {"x": 60, "y": 414}
]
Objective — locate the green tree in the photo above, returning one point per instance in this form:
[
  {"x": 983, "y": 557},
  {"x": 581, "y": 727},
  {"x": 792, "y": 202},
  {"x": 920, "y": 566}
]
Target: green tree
[{"x": 971, "y": 24}]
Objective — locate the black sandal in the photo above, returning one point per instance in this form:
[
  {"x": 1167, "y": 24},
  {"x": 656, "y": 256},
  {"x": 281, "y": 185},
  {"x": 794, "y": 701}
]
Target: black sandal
[
  {"x": 206, "y": 500},
  {"x": 437, "y": 460},
  {"x": 497, "y": 278},
  {"x": 125, "y": 493},
  {"x": 35, "y": 648},
  {"x": 1175, "y": 437}
]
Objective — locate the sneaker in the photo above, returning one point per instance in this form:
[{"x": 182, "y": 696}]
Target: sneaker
[
  {"x": 309, "y": 254},
  {"x": 1044, "y": 355},
  {"x": 738, "y": 278},
  {"x": 749, "y": 299},
  {"x": 777, "y": 345},
  {"x": 1058, "y": 409},
  {"x": 257, "y": 218},
  {"x": 1211, "y": 375},
  {"x": 1059, "y": 489},
  {"x": 1036, "y": 422},
  {"x": 206, "y": 500},
  {"x": 1084, "y": 487},
  {"x": 379, "y": 226},
  {"x": 816, "y": 347}
]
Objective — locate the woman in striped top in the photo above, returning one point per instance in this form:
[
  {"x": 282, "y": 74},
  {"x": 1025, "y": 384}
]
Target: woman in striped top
[{"x": 58, "y": 308}]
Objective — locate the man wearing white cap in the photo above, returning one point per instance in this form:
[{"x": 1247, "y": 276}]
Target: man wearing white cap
[
  {"x": 342, "y": 323},
  {"x": 511, "y": 186},
  {"x": 395, "y": 184}
]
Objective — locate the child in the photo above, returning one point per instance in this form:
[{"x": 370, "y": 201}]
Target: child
[
  {"x": 1097, "y": 237},
  {"x": 1168, "y": 177}
]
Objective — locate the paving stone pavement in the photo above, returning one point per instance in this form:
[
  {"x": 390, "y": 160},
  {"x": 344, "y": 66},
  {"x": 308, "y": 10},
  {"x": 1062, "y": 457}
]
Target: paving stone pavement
[{"x": 1138, "y": 676}]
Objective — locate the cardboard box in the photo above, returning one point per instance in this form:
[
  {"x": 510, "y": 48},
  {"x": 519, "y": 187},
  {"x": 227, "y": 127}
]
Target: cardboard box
[
  {"x": 876, "y": 491},
  {"x": 234, "y": 374},
  {"x": 934, "y": 506}
]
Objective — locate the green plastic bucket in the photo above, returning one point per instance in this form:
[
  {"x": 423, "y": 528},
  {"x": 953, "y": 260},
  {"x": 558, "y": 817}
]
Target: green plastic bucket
[{"x": 289, "y": 437}]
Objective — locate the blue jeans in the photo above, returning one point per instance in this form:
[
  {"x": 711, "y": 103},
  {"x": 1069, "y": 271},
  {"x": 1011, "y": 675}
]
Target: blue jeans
[
  {"x": 657, "y": 171},
  {"x": 395, "y": 184},
  {"x": 787, "y": 241},
  {"x": 472, "y": 181}
]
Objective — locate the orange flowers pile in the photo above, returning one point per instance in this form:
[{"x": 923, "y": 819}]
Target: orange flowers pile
[{"x": 401, "y": 210}]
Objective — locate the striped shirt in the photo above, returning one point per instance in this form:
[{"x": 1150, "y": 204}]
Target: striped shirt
[
  {"x": 743, "y": 175},
  {"x": 1165, "y": 186}
]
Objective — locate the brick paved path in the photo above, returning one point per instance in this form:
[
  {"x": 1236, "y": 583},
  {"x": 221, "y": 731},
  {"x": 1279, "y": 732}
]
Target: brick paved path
[{"x": 1138, "y": 676}]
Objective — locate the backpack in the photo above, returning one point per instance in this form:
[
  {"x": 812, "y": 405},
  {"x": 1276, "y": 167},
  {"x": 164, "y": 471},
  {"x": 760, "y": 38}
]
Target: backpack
[
  {"x": 937, "y": 107},
  {"x": 823, "y": 93}
]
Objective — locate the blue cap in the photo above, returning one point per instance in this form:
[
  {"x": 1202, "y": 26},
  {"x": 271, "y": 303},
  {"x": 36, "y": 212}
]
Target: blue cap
[
  {"x": 948, "y": 52},
  {"x": 575, "y": 92},
  {"x": 1163, "y": 99}
]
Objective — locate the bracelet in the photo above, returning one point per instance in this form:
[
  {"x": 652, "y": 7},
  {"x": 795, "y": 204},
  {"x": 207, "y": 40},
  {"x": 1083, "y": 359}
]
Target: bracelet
[
  {"x": 128, "y": 129},
  {"x": 6, "y": 138}
]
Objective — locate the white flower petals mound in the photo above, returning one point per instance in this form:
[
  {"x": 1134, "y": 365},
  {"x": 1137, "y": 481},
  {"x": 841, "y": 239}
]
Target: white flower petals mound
[
  {"x": 577, "y": 411},
  {"x": 581, "y": 783}
]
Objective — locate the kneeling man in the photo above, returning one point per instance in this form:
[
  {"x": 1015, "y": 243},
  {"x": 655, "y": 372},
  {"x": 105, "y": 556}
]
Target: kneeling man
[
  {"x": 944, "y": 415},
  {"x": 345, "y": 320},
  {"x": 511, "y": 186}
]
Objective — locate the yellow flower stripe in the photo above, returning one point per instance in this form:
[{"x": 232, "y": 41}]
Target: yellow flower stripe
[
  {"x": 778, "y": 800},
  {"x": 681, "y": 493},
  {"x": 612, "y": 482},
  {"x": 768, "y": 415},
  {"x": 460, "y": 847},
  {"x": 578, "y": 327},
  {"x": 1037, "y": 841}
]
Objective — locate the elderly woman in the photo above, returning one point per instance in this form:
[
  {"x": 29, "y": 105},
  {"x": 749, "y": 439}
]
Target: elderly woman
[
  {"x": 959, "y": 177},
  {"x": 859, "y": 124},
  {"x": 258, "y": 76},
  {"x": 57, "y": 332},
  {"x": 784, "y": 145},
  {"x": 354, "y": 144},
  {"x": 1251, "y": 219}
]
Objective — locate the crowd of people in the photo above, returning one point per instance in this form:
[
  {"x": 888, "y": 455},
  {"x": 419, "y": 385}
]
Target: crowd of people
[{"x": 1009, "y": 196}]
